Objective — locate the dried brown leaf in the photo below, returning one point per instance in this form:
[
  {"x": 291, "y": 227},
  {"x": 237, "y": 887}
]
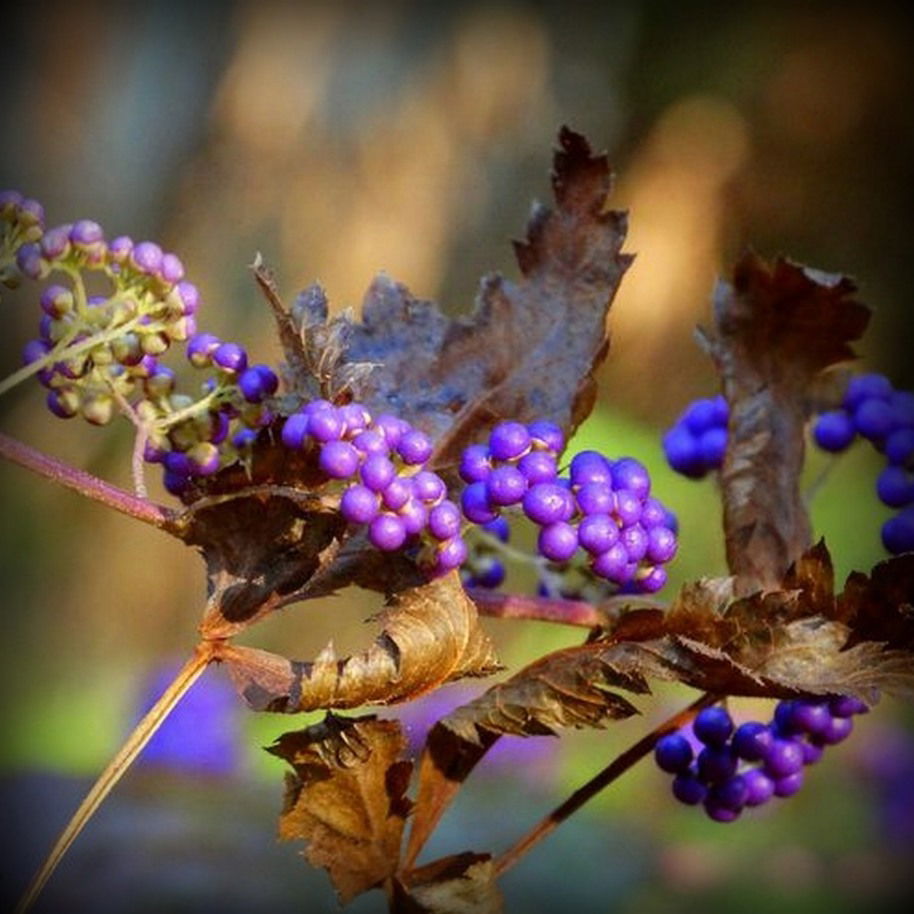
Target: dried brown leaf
[
  {"x": 460, "y": 884},
  {"x": 880, "y": 607},
  {"x": 347, "y": 798},
  {"x": 528, "y": 349},
  {"x": 776, "y": 327},
  {"x": 430, "y": 635}
]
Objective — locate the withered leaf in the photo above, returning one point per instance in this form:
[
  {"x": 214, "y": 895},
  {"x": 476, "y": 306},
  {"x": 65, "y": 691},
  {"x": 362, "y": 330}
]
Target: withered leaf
[
  {"x": 347, "y": 798},
  {"x": 776, "y": 327},
  {"x": 430, "y": 635},
  {"x": 880, "y": 607},
  {"x": 528, "y": 349},
  {"x": 461, "y": 884}
]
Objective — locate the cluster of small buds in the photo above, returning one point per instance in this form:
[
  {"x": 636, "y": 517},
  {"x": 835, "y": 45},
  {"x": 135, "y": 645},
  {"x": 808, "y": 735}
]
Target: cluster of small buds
[
  {"x": 21, "y": 223},
  {"x": 871, "y": 408},
  {"x": 383, "y": 460},
  {"x": 746, "y": 766},
  {"x": 483, "y": 567},
  {"x": 697, "y": 441},
  {"x": 603, "y": 508},
  {"x": 193, "y": 438}
]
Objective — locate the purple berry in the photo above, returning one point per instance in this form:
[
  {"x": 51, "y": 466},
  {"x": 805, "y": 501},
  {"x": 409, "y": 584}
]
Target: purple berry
[
  {"x": 414, "y": 516},
  {"x": 190, "y": 297},
  {"x": 444, "y": 521},
  {"x": 720, "y": 813},
  {"x": 613, "y": 564},
  {"x": 200, "y": 349},
  {"x": 838, "y": 730},
  {"x": 338, "y": 459},
  {"x": 475, "y": 464},
  {"x": 635, "y": 540},
  {"x": 63, "y": 403},
  {"x": 682, "y": 452},
  {"x": 356, "y": 420},
  {"x": 359, "y": 505},
  {"x": 759, "y": 787},
  {"x": 414, "y": 447},
  {"x": 716, "y": 764},
  {"x": 898, "y": 532},
  {"x": 652, "y": 580},
  {"x": 597, "y": 532},
  {"x": 205, "y": 458},
  {"x": 752, "y": 740},
  {"x": 450, "y": 554},
  {"x": 489, "y": 573},
  {"x": 56, "y": 301},
  {"x": 295, "y": 431},
  {"x": 475, "y": 503},
  {"x": 730, "y": 794},
  {"x": 85, "y": 232},
  {"x": 785, "y": 757},
  {"x": 429, "y": 487},
  {"x": 386, "y": 532},
  {"x": 784, "y": 720},
  {"x": 700, "y": 415},
  {"x": 631, "y": 474},
  {"x": 627, "y": 507},
  {"x": 834, "y": 430},
  {"x": 119, "y": 248},
  {"x": 250, "y": 383},
  {"x": 397, "y": 493},
  {"x": 596, "y": 498},
  {"x": 811, "y": 752},
  {"x": 874, "y": 419},
  {"x": 713, "y": 726},
  {"x": 661, "y": 543},
  {"x": 391, "y": 427},
  {"x": 688, "y": 789},
  {"x": 326, "y": 425},
  {"x": 847, "y": 706},
  {"x": 548, "y": 503},
  {"x": 864, "y": 387},
  {"x": 146, "y": 257},
  {"x": 56, "y": 242},
  {"x": 895, "y": 487},
  {"x": 788, "y": 785},
  {"x": 175, "y": 483},
  {"x": 590, "y": 466},
  {"x": 673, "y": 753},
  {"x": 508, "y": 440},
  {"x": 538, "y": 466},
  {"x": 899, "y": 446},
  {"x": 558, "y": 542},
  {"x": 812, "y": 717},
  {"x": 548, "y": 434},
  {"x": 505, "y": 486},
  {"x": 171, "y": 269},
  {"x": 34, "y": 350},
  {"x": 712, "y": 447},
  {"x": 179, "y": 463},
  {"x": 371, "y": 441},
  {"x": 377, "y": 472},
  {"x": 498, "y": 528},
  {"x": 231, "y": 357}
]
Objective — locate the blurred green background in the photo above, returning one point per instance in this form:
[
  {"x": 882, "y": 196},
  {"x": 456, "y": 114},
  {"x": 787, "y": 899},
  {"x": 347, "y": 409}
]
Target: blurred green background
[{"x": 340, "y": 139}]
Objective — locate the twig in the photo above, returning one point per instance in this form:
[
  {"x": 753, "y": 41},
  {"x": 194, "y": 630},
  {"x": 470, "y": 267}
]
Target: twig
[
  {"x": 542, "y": 609},
  {"x": 616, "y": 767},
  {"x": 85, "y": 483},
  {"x": 117, "y": 767}
]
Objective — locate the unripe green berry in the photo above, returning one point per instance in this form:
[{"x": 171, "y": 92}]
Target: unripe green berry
[{"x": 154, "y": 343}]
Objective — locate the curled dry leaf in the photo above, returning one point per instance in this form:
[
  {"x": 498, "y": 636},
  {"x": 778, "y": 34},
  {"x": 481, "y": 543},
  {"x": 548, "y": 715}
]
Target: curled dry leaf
[
  {"x": 347, "y": 798},
  {"x": 430, "y": 635},
  {"x": 529, "y": 348},
  {"x": 776, "y": 328},
  {"x": 460, "y": 884}
]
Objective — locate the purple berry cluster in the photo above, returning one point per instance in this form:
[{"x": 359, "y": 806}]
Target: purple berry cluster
[
  {"x": 603, "y": 508},
  {"x": 745, "y": 766},
  {"x": 697, "y": 441},
  {"x": 383, "y": 461},
  {"x": 873, "y": 409},
  {"x": 21, "y": 223}
]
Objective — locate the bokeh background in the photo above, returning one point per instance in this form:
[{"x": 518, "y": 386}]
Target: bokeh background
[{"x": 341, "y": 139}]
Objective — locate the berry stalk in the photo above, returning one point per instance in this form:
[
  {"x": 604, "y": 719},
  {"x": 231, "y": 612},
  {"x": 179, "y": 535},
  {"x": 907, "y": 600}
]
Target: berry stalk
[
  {"x": 117, "y": 768},
  {"x": 617, "y": 767}
]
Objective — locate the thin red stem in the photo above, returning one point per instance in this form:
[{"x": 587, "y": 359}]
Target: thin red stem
[
  {"x": 85, "y": 483},
  {"x": 613, "y": 770}
]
